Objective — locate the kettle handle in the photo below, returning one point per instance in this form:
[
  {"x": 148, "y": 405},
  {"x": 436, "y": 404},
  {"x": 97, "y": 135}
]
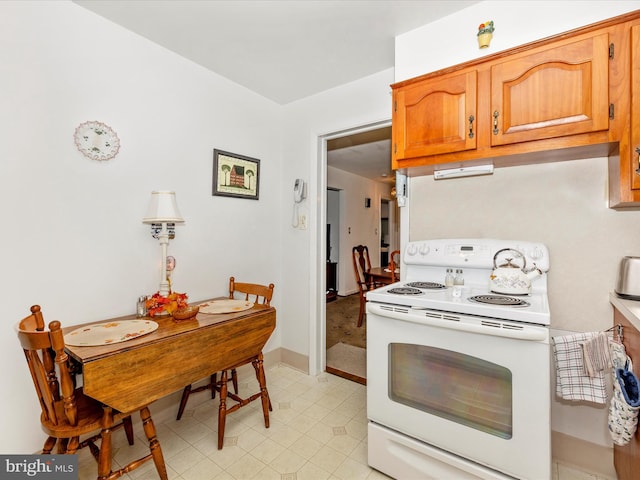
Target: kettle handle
[{"x": 519, "y": 254}]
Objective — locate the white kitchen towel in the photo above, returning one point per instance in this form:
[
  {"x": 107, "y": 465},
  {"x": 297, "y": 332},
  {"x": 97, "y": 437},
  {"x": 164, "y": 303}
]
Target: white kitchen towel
[
  {"x": 572, "y": 383},
  {"x": 596, "y": 355}
]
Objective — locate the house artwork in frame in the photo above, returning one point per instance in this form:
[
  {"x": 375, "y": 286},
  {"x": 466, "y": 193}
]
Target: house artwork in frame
[{"x": 235, "y": 175}]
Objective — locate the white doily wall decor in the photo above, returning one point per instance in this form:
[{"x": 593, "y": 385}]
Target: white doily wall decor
[{"x": 97, "y": 140}]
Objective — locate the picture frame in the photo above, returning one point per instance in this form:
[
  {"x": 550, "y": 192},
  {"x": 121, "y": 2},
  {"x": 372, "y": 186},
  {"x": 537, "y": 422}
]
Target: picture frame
[{"x": 235, "y": 175}]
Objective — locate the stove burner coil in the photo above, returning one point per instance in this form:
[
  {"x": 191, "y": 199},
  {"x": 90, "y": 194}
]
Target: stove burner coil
[
  {"x": 426, "y": 285},
  {"x": 404, "y": 291},
  {"x": 499, "y": 300}
]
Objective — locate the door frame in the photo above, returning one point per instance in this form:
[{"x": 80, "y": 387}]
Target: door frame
[{"x": 318, "y": 329}]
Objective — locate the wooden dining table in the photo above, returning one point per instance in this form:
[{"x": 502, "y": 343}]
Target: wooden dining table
[
  {"x": 381, "y": 275},
  {"x": 130, "y": 375}
]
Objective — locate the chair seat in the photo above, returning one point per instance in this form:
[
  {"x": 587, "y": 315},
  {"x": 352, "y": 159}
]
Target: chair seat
[{"x": 90, "y": 415}]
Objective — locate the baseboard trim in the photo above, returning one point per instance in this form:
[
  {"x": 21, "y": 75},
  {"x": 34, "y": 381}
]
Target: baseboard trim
[
  {"x": 583, "y": 455},
  {"x": 294, "y": 360}
]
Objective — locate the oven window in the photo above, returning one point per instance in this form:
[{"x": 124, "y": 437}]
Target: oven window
[{"x": 451, "y": 385}]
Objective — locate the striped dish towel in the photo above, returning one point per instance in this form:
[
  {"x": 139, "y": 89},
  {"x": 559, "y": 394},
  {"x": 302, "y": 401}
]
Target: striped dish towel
[
  {"x": 572, "y": 383},
  {"x": 596, "y": 354}
]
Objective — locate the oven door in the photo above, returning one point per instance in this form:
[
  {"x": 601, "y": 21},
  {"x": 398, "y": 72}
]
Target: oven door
[{"x": 476, "y": 387}]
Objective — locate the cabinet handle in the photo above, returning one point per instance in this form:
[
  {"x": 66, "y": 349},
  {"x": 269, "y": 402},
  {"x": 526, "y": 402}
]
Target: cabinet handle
[
  {"x": 638, "y": 169},
  {"x": 471, "y": 119},
  {"x": 495, "y": 122}
]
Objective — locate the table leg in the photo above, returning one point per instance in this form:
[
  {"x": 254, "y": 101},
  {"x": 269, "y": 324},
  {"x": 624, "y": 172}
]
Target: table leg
[
  {"x": 222, "y": 410},
  {"x": 128, "y": 428},
  {"x": 258, "y": 365},
  {"x": 154, "y": 445},
  {"x": 183, "y": 401}
]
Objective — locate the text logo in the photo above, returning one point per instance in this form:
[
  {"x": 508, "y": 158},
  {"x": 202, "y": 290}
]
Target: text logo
[{"x": 50, "y": 467}]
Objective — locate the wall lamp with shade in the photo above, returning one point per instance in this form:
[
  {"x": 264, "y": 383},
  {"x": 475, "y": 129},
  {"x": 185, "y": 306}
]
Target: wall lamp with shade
[{"x": 163, "y": 214}]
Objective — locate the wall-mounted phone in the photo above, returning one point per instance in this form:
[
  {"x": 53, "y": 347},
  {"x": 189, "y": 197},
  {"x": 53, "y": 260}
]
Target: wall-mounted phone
[
  {"x": 299, "y": 194},
  {"x": 299, "y": 190}
]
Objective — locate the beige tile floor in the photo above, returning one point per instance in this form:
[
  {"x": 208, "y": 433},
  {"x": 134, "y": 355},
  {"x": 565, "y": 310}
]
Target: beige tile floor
[{"x": 318, "y": 432}]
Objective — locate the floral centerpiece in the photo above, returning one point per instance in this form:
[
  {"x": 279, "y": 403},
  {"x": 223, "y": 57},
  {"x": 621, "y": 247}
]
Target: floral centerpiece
[{"x": 158, "y": 304}]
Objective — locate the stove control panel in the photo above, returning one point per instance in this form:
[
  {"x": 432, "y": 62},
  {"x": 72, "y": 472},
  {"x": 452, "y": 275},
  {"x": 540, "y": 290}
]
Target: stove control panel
[{"x": 472, "y": 253}]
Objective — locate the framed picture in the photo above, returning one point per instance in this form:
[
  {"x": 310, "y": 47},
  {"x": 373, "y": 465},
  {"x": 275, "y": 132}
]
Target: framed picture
[{"x": 235, "y": 175}]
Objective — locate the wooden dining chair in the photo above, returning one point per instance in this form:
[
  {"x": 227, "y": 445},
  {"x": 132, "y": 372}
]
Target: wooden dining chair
[
  {"x": 251, "y": 292},
  {"x": 361, "y": 267},
  {"x": 394, "y": 264},
  {"x": 67, "y": 414}
]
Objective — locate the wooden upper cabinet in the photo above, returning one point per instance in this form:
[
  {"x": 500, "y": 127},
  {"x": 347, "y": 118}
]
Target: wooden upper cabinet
[
  {"x": 560, "y": 91},
  {"x": 572, "y": 96},
  {"x": 435, "y": 116},
  {"x": 634, "y": 153},
  {"x": 624, "y": 168},
  {"x": 565, "y": 97}
]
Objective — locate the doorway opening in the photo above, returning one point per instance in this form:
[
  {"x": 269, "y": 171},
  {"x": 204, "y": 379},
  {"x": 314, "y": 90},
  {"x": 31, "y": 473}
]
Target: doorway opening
[{"x": 359, "y": 182}]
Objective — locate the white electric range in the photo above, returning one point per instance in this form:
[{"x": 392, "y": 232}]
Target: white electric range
[{"x": 457, "y": 387}]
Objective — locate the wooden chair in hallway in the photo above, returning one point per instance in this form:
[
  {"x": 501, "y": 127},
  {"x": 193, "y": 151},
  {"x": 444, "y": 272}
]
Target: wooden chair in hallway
[
  {"x": 361, "y": 267},
  {"x": 394, "y": 264},
  {"x": 66, "y": 413},
  {"x": 252, "y": 292}
]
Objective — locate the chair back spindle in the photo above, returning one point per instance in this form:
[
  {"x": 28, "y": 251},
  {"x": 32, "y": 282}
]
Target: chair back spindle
[
  {"x": 361, "y": 269},
  {"x": 394, "y": 264},
  {"x": 38, "y": 351},
  {"x": 66, "y": 382},
  {"x": 362, "y": 266}
]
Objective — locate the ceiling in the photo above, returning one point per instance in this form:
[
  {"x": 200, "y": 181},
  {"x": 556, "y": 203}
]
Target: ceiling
[
  {"x": 285, "y": 50},
  {"x": 367, "y": 154}
]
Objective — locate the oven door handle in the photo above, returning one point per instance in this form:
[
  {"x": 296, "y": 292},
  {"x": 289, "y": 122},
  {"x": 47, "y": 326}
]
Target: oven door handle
[{"x": 453, "y": 321}]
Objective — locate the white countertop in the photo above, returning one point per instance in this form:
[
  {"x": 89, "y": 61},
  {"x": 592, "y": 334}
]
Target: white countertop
[{"x": 629, "y": 308}]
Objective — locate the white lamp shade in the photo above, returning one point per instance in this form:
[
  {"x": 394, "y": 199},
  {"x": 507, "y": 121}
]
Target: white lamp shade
[{"x": 163, "y": 209}]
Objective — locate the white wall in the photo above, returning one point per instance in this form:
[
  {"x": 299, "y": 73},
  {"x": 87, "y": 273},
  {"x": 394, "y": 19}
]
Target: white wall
[
  {"x": 73, "y": 240},
  {"x": 452, "y": 40},
  {"x": 358, "y": 225},
  {"x": 365, "y": 102},
  {"x": 333, "y": 219},
  {"x": 563, "y": 205}
]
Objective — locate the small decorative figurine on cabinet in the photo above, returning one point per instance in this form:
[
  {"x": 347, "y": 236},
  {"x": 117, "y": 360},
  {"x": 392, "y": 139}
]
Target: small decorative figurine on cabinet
[{"x": 485, "y": 34}]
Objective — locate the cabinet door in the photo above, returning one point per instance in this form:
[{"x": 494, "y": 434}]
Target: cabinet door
[
  {"x": 558, "y": 92},
  {"x": 624, "y": 169},
  {"x": 435, "y": 116},
  {"x": 635, "y": 108}
]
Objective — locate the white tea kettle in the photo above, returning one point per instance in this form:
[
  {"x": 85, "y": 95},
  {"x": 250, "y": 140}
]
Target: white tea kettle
[{"x": 509, "y": 278}]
